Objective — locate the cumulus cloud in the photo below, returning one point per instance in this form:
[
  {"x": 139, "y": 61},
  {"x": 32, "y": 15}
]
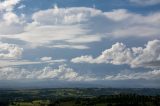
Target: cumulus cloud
[
  {"x": 63, "y": 72},
  {"x": 145, "y": 2},
  {"x": 119, "y": 54},
  {"x": 10, "y": 51}
]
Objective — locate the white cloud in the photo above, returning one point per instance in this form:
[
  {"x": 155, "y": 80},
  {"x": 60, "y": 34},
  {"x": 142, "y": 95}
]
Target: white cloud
[
  {"x": 64, "y": 73},
  {"x": 12, "y": 24},
  {"x": 56, "y": 33},
  {"x": 22, "y": 6},
  {"x": 150, "y": 75},
  {"x": 60, "y": 24},
  {"x": 85, "y": 39},
  {"x": 119, "y": 54},
  {"x": 70, "y": 46},
  {"x": 8, "y": 63},
  {"x": 146, "y": 2},
  {"x": 10, "y": 51},
  {"x": 10, "y": 55},
  {"x": 46, "y": 58},
  {"x": 61, "y": 73},
  {"x": 10, "y": 18},
  {"x": 21, "y": 62},
  {"x": 122, "y": 23},
  {"x": 127, "y": 24},
  {"x": 8, "y": 5},
  {"x": 83, "y": 59},
  {"x": 118, "y": 15},
  {"x": 57, "y": 16},
  {"x": 78, "y": 26},
  {"x": 138, "y": 30}
]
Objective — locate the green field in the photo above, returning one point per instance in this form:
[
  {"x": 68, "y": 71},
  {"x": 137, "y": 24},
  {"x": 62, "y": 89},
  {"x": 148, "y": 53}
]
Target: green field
[{"x": 80, "y": 97}]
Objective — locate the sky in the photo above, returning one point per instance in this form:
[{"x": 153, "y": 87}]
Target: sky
[{"x": 80, "y": 43}]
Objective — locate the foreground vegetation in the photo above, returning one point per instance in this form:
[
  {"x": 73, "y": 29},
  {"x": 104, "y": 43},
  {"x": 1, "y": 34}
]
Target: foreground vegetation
[{"x": 80, "y": 97}]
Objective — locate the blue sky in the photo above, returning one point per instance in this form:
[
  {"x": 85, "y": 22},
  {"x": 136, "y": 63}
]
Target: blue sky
[{"x": 109, "y": 43}]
